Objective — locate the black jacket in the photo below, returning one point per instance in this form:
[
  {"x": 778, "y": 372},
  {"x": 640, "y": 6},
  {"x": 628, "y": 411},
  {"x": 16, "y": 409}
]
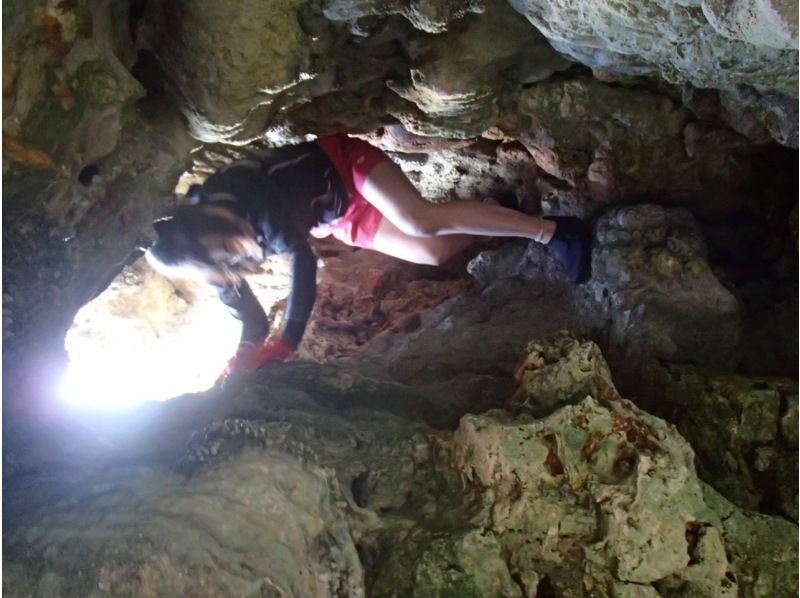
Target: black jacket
[{"x": 282, "y": 193}]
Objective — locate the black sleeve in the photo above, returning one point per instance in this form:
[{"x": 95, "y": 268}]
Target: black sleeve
[
  {"x": 245, "y": 307},
  {"x": 303, "y": 293}
]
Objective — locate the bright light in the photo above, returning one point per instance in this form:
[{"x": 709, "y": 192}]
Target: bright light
[
  {"x": 139, "y": 341},
  {"x": 133, "y": 370}
]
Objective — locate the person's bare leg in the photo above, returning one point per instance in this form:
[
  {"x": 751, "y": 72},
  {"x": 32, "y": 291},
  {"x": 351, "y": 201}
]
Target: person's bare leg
[
  {"x": 388, "y": 189},
  {"x": 431, "y": 251}
]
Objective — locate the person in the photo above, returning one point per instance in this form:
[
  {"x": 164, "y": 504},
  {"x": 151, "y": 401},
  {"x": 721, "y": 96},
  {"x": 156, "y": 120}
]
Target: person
[{"x": 335, "y": 186}]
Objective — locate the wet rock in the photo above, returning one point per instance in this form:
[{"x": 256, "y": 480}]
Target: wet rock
[{"x": 743, "y": 430}]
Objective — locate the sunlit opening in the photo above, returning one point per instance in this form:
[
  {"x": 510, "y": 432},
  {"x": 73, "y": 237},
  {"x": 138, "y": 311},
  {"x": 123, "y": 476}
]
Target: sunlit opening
[{"x": 142, "y": 341}]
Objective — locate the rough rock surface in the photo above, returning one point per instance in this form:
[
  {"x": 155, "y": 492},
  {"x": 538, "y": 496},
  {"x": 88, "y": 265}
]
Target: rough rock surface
[
  {"x": 145, "y": 531},
  {"x": 743, "y": 431},
  {"x": 651, "y": 278},
  {"x": 652, "y": 289},
  {"x": 609, "y": 140},
  {"x": 366, "y": 489},
  {"x": 739, "y": 46},
  {"x": 718, "y": 43},
  {"x": 349, "y": 499}
]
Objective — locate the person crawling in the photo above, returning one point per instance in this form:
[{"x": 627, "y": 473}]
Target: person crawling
[{"x": 335, "y": 186}]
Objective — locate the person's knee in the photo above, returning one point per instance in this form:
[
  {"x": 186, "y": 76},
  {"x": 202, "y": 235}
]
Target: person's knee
[{"x": 421, "y": 222}]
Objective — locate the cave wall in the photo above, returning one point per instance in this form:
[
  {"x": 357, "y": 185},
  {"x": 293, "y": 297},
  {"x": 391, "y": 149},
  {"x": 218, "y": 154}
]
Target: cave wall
[
  {"x": 671, "y": 126},
  {"x": 678, "y": 102}
]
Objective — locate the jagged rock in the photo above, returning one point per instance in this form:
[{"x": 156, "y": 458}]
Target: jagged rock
[
  {"x": 732, "y": 45},
  {"x": 431, "y": 16},
  {"x": 651, "y": 279},
  {"x": 718, "y": 44},
  {"x": 762, "y": 550},
  {"x": 457, "y": 77},
  {"x": 743, "y": 430},
  {"x": 561, "y": 370},
  {"x": 467, "y": 563},
  {"x": 592, "y": 496},
  {"x": 651, "y": 286},
  {"x": 603, "y": 497},
  {"x": 289, "y": 476},
  {"x": 757, "y": 116},
  {"x": 609, "y": 141}
]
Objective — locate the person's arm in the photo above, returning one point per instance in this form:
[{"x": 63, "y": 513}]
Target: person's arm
[
  {"x": 303, "y": 293},
  {"x": 245, "y": 307}
]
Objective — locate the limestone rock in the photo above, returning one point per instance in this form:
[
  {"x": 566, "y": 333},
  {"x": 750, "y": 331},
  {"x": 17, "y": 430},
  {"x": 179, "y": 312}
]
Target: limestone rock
[
  {"x": 651, "y": 279},
  {"x": 762, "y": 549},
  {"x": 715, "y": 43},
  {"x": 561, "y": 370},
  {"x": 229, "y": 64},
  {"x": 149, "y": 531},
  {"x": 602, "y": 497},
  {"x": 743, "y": 430},
  {"x": 610, "y": 141},
  {"x": 457, "y": 77},
  {"x": 431, "y": 16},
  {"x": 594, "y": 496}
]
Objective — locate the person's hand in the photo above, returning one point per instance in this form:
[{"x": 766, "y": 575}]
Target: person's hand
[
  {"x": 251, "y": 356},
  {"x": 276, "y": 350}
]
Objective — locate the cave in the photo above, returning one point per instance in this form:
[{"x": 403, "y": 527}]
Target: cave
[{"x": 480, "y": 428}]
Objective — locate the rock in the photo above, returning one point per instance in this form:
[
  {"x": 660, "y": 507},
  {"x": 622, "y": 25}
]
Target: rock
[
  {"x": 726, "y": 40},
  {"x": 769, "y": 343},
  {"x": 457, "y": 76},
  {"x": 287, "y": 476},
  {"x": 426, "y": 15},
  {"x": 469, "y": 563},
  {"x": 562, "y": 370},
  {"x": 743, "y": 430},
  {"x": 715, "y": 43},
  {"x": 651, "y": 280},
  {"x": 229, "y": 66},
  {"x": 592, "y": 495},
  {"x": 145, "y": 530},
  {"x": 611, "y": 142},
  {"x": 762, "y": 550},
  {"x": 602, "y": 496}
]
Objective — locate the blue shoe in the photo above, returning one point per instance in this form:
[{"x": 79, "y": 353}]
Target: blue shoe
[{"x": 572, "y": 244}]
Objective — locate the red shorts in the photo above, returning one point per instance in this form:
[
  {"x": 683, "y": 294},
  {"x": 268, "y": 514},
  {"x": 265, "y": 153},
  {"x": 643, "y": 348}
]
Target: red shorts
[{"x": 354, "y": 160}]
